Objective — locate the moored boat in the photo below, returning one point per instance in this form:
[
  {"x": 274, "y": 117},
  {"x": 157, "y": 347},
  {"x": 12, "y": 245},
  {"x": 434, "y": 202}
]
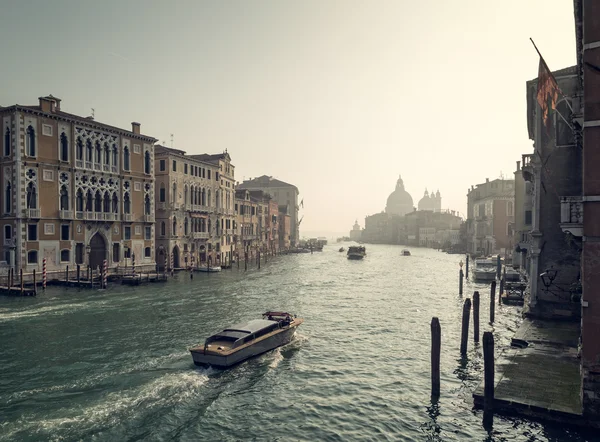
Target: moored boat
[
  {"x": 341, "y": 249},
  {"x": 245, "y": 340},
  {"x": 405, "y": 252},
  {"x": 356, "y": 252},
  {"x": 485, "y": 269},
  {"x": 209, "y": 269}
]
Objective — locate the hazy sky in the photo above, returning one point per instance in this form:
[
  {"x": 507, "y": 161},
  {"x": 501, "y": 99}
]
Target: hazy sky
[{"x": 336, "y": 97}]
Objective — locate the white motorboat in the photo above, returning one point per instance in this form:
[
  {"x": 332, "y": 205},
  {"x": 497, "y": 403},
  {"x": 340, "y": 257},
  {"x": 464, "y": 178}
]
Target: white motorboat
[
  {"x": 209, "y": 269},
  {"x": 485, "y": 269},
  {"x": 511, "y": 275},
  {"x": 245, "y": 340}
]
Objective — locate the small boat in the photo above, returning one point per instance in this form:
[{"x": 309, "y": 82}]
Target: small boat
[
  {"x": 511, "y": 275},
  {"x": 245, "y": 340},
  {"x": 356, "y": 252},
  {"x": 485, "y": 269},
  {"x": 209, "y": 269},
  {"x": 341, "y": 249},
  {"x": 405, "y": 252}
]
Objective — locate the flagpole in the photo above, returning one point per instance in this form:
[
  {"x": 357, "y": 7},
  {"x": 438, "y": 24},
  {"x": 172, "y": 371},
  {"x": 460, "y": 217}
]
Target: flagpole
[{"x": 554, "y": 78}]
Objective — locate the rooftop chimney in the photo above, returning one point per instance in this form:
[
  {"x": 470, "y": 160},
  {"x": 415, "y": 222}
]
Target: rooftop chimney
[
  {"x": 135, "y": 127},
  {"x": 518, "y": 166},
  {"x": 49, "y": 104}
]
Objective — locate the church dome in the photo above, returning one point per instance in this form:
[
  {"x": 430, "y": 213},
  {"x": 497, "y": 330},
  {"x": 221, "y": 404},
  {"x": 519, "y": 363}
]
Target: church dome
[{"x": 399, "y": 202}]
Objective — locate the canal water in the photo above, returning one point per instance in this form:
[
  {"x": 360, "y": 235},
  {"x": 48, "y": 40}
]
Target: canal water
[{"x": 114, "y": 364}]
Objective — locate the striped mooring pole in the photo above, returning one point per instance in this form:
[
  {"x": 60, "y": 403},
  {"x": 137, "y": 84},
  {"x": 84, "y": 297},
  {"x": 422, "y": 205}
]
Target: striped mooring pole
[
  {"x": 133, "y": 264},
  {"x": 44, "y": 274},
  {"x": 171, "y": 263},
  {"x": 105, "y": 274}
]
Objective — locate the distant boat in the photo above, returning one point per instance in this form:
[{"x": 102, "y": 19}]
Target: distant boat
[
  {"x": 210, "y": 269},
  {"x": 485, "y": 270},
  {"x": 405, "y": 252},
  {"x": 356, "y": 252},
  {"x": 341, "y": 249}
]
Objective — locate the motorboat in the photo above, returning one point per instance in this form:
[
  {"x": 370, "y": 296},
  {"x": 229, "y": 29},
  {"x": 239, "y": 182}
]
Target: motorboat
[
  {"x": 209, "y": 269},
  {"x": 341, "y": 249},
  {"x": 245, "y": 340},
  {"x": 485, "y": 269},
  {"x": 511, "y": 275},
  {"x": 356, "y": 252},
  {"x": 405, "y": 252}
]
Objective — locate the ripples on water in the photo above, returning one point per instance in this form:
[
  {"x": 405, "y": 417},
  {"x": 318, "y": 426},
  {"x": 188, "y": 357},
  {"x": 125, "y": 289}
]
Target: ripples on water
[{"x": 114, "y": 365}]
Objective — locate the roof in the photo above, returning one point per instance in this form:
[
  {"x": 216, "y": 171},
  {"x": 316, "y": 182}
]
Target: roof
[
  {"x": 77, "y": 118},
  {"x": 212, "y": 157},
  {"x": 264, "y": 181},
  {"x": 250, "y": 327}
]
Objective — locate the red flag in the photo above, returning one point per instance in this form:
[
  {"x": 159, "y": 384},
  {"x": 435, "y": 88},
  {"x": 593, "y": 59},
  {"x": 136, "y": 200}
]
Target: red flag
[{"x": 547, "y": 90}]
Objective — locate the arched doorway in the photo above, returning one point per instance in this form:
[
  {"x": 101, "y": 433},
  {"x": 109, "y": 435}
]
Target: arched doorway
[
  {"x": 97, "y": 251},
  {"x": 176, "y": 257},
  {"x": 160, "y": 260}
]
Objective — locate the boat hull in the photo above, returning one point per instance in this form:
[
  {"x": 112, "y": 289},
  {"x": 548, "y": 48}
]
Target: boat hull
[
  {"x": 260, "y": 347},
  {"x": 209, "y": 269},
  {"x": 484, "y": 276},
  {"x": 355, "y": 256}
]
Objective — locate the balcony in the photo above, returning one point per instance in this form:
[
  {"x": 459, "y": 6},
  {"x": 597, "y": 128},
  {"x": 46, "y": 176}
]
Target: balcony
[
  {"x": 200, "y": 235},
  {"x": 110, "y": 216},
  {"x": 523, "y": 239},
  {"x": 106, "y": 168},
  {"x": 113, "y": 169},
  {"x": 97, "y": 166},
  {"x": 527, "y": 166},
  {"x": 90, "y": 216},
  {"x": 148, "y": 218},
  {"x": 79, "y": 164},
  {"x": 33, "y": 213},
  {"x": 126, "y": 217},
  {"x": 79, "y": 215},
  {"x": 571, "y": 215},
  {"x": 66, "y": 214}
]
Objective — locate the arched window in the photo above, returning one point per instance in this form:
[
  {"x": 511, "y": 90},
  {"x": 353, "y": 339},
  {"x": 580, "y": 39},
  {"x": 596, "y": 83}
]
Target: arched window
[
  {"x": 208, "y": 201},
  {"x": 115, "y": 155},
  {"x": 89, "y": 201},
  {"x": 126, "y": 203},
  {"x": 147, "y": 162},
  {"x": 88, "y": 150},
  {"x": 174, "y": 197},
  {"x": 64, "y": 198},
  {"x": 174, "y": 231},
  {"x": 7, "y": 142},
  {"x": 185, "y": 226},
  {"x": 147, "y": 205},
  {"x": 126, "y": 158},
  {"x": 106, "y": 202},
  {"x": 98, "y": 158},
  {"x": 65, "y": 255},
  {"x": 217, "y": 200},
  {"x": 31, "y": 196},
  {"x": 163, "y": 229},
  {"x": 79, "y": 150},
  {"x": 196, "y": 196},
  {"x": 115, "y": 203},
  {"x": 106, "y": 154},
  {"x": 209, "y": 225},
  {"x": 79, "y": 201},
  {"x": 7, "y": 232},
  {"x": 64, "y": 147},
  {"x": 162, "y": 193},
  {"x": 8, "y": 198},
  {"x": 98, "y": 202},
  {"x": 30, "y": 141},
  {"x": 185, "y": 194},
  {"x": 203, "y": 197}
]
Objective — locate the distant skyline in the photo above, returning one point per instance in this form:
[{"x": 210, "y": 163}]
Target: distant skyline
[{"x": 338, "y": 97}]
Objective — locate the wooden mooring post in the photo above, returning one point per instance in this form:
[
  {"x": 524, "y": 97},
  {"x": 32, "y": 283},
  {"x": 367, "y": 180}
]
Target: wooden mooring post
[
  {"x": 460, "y": 281},
  {"x": 79, "y": 275},
  {"x": 488, "y": 376},
  {"x": 492, "y": 302},
  {"x": 11, "y": 278},
  {"x": 465, "y": 327},
  {"x": 258, "y": 259},
  {"x": 34, "y": 284},
  {"x": 476, "y": 317},
  {"x": 22, "y": 288},
  {"x": 67, "y": 275},
  {"x": 436, "y": 345},
  {"x": 245, "y": 261},
  {"x": 467, "y": 266}
]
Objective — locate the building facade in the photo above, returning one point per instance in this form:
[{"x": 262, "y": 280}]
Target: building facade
[
  {"x": 283, "y": 193},
  {"x": 75, "y": 191},
  {"x": 490, "y": 217},
  {"x": 186, "y": 216}
]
